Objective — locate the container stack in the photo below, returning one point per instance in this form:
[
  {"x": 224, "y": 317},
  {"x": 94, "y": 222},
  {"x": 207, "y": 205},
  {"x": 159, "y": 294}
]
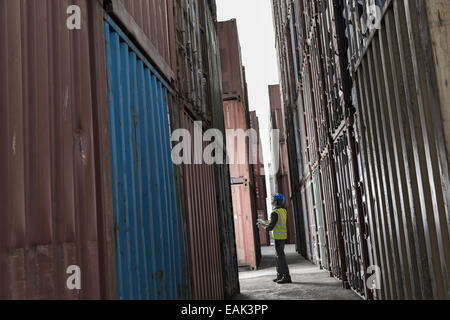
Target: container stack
[
  {"x": 361, "y": 82},
  {"x": 237, "y": 124},
  {"x": 87, "y": 174},
  {"x": 281, "y": 178},
  {"x": 207, "y": 204}
]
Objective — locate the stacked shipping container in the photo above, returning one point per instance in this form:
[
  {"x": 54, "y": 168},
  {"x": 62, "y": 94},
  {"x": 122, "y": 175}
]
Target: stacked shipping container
[
  {"x": 372, "y": 123},
  {"x": 237, "y": 122},
  {"x": 88, "y": 180},
  {"x": 282, "y": 184}
]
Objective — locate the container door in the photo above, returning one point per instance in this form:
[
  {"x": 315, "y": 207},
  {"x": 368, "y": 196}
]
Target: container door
[{"x": 149, "y": 238}]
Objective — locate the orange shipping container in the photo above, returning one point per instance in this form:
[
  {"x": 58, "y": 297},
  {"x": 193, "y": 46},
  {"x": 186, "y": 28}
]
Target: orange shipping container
[
  {"x": 234, "y": 112},
  {"x": 248, "y": 250}
]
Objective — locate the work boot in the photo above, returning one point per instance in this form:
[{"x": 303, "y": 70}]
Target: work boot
[
  {"x": 277, "y": 279},
  {"x": 285, "y": 279}
]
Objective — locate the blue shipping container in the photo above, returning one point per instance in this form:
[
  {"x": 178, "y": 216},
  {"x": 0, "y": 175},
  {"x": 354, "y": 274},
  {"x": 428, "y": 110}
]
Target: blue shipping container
[{"x": 149, "y": 235}]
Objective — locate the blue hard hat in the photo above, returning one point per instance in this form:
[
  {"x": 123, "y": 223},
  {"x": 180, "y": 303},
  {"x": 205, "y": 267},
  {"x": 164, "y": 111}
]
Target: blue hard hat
[{"x": 278, "y": 198}]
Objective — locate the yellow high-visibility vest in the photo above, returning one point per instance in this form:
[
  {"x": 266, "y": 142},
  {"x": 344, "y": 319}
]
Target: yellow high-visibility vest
[{"x": 280, "y": 230}]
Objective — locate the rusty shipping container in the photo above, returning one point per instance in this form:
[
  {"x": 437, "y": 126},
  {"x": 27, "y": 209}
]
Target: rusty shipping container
[
  {"x": 95, "y": 205},
  {"x": 202, "y": 224},
  {"x": 55, "y": 199},
  {"x": 237, "y": 143},
  {"x": 151, "y": 25},
  {"x": 237, "y": 122},
  {"x": 399, "y": 75},
  {"x": 199, "y": 91},
  {"x": 392, "y": 176},
  {"x": 233, "y": 81},
  {"x": 247, "y": 248},
  {"x": 282, "y": 177},
  {"x": 353, "y": 226},
  {"x": 333, "y": 219},
  {"x": 221, "y": 171}
]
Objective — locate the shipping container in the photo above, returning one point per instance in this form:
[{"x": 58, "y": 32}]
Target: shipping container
[
  {"x": 238, "y": 138},
  {"x": 194, "y": 42},
  {"x": 55, "y": 199},
  {"x": 202, "y": 225},
  {"x": 353, "y": 226},
  {"x": 150, "y": 24},
  {"x": 392, "y": 175},
  {"x": 230, "y": 275},
  {"x": 237, "y": 141},
  {"x": 333, "y": 218},
  {"x": 282, "y": 179},
  {"x": 221, "y": 171},
  {"x": 295, "y": 179},
  {"x": 248, "y": 252},
  {"x": 100, "y": 201},
  {"x": 231, "y": 60},
  {"x": 199, "y": 92},
  {"x": 145, "y": 201},
  {"x": 398, "y": 89}
]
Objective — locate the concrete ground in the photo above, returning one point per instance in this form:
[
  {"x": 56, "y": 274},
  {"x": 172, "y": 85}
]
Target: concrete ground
[{"x": 308, "y": 281}]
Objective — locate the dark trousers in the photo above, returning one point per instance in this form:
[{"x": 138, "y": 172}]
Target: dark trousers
[{"x": 282, "y": 266}]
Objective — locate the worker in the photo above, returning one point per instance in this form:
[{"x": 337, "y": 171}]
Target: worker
[{"x": 277, "y": 224}]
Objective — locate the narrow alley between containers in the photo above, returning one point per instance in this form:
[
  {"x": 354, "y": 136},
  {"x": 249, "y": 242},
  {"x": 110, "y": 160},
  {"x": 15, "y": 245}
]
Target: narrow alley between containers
[{"x": 170, "y": 149}]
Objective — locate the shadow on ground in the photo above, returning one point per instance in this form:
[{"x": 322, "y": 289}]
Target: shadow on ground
[{"x": 308, "y": 281}]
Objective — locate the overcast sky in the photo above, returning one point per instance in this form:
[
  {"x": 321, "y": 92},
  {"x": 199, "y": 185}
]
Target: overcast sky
[{"x": 256, "y": 35}]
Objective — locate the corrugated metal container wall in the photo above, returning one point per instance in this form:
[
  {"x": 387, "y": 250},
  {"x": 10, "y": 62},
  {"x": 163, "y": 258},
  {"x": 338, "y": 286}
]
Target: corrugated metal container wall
[
  {"x": 283, "y": 182},
  {"x": 333, "y": 218},
  {"x": 231, "y": 61},
  {"x": 349, "y": 214},
  {"x": 234, "y": 112},
  {"x": 438, "y": 11},
  {"x": 302, "y": 133},
  {"x": 319, "y": 106},
  {"x": 151, "y": 24},
  {"x": 149, "y": 235},
  {"x": 333, "y": 61},
  {"x": 308, "y": 104},
  {"x": 237, "y": 119},
  {"x": 222, "y": 173},
  {"x": 202, "y": 224},
  {"x": 404, "y": 154},
  {"x": 192, "y": 56},
  {"x": 245, "y": 222},
  {"x": 55, "y": 201}
]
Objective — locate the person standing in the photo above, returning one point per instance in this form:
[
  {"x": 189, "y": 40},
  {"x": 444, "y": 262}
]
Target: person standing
[{"x": 278, "y": 225}]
